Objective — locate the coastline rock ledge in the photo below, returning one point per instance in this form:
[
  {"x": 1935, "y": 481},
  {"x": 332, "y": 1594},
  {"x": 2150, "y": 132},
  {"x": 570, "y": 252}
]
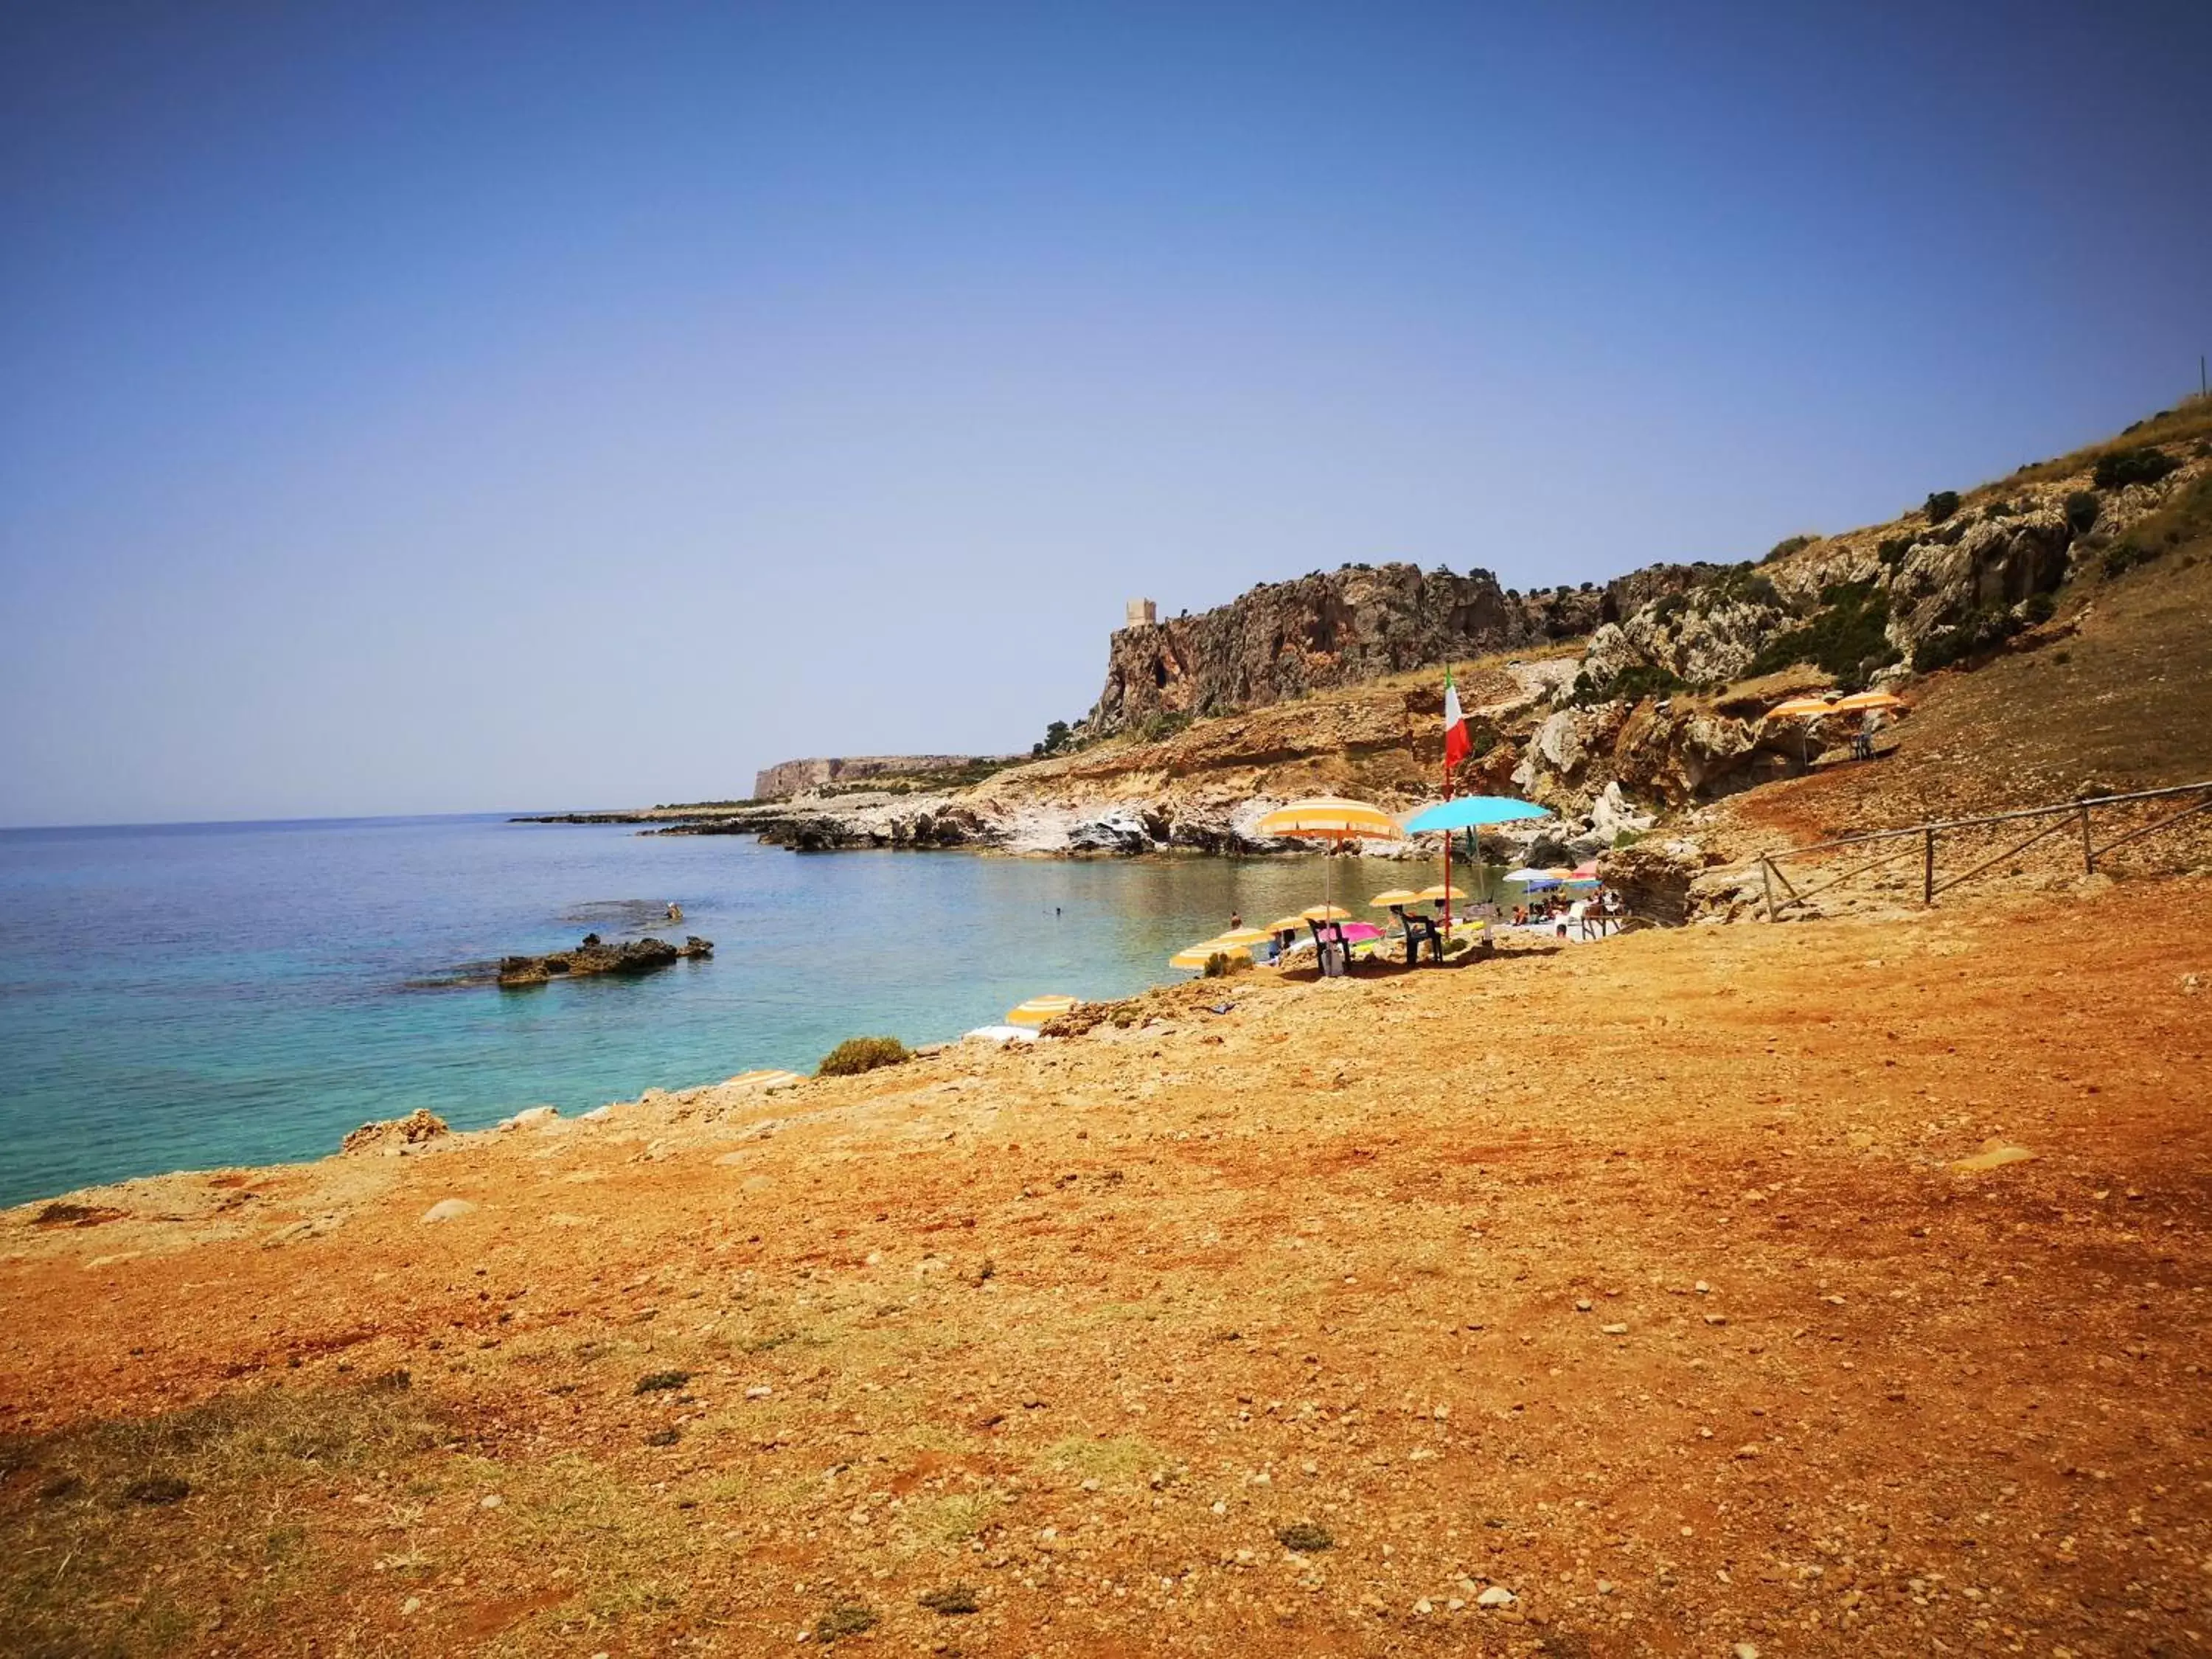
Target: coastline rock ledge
[{"x": 638, "y": 955}]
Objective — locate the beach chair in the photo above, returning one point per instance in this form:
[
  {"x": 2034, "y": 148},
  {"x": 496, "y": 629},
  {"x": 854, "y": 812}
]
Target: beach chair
[
  {"x": 1420, "y": 931},
  {"x": 1332, "y": 951}
]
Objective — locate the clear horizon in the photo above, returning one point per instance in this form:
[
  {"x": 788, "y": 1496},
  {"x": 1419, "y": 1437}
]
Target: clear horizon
[{"x": 410, "y": 413}]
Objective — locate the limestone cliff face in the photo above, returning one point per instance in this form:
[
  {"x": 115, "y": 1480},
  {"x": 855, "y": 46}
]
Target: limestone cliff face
[
  {"x": 1341, "y": 627},
  {"x": 794, "y": 777}
]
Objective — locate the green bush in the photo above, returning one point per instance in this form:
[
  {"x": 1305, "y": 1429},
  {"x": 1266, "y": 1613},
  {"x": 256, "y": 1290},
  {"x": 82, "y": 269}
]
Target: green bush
[
  {"x": 1742, "y": 584},
  {"x": 2039, "y": 609},
  {"x": 2128, "y": 555},
  {"x": 2126, "y": 466},
  {"x": 1941, "y": 505},
  {"x": 1783, "y": 549},
  {"x": 1153, "y": 728},
  {"x": 1632, "y": 685},
  {"x": 857, "y": 1054},
  {"x": 1982, "y": 630},
  {"x": 1996, "y": 510},
  {"x": 1848, "y": 637},
  {"x": 1892, "y": 551},
  {"x": 2082, "y": 509}
]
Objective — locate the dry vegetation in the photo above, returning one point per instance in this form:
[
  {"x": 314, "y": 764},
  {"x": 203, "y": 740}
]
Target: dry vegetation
[
  {"x": 1687, "y": 1288},
  {"x": 2114, "y": 694}
]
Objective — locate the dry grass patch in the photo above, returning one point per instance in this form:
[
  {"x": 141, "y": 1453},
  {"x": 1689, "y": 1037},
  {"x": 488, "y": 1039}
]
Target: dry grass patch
[{"x": 139, "y": 1537}]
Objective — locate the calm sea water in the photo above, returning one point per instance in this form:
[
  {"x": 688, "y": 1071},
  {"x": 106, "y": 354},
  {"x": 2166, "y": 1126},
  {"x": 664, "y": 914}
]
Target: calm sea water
[{"x": 189, "y": 996}]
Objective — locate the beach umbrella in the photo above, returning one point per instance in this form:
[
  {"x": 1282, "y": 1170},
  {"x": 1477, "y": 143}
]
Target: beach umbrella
[
  {"x": 1585, "y": 871},
  {"x": 1330, "y": 818},
  {"x": 1468, "y": 813},
  {"x": 1858, "y": 701},
  {"x": 1286, "y": 925},
  {"x": 1800, "y": 709},
  {"x": 1038, "y": 1010},
  {"x": 1808, "y": 709},
  {"x": 1243, "y": 936},
  {"x": 1439, "y": 894},
  {"x": 1193, "y": 958},
  {"x": 1525, "y": 874},
  {"x": 1324, "y": 912},
  {"x": 1391, "y": 899},
  {"x": 1473, "y": 812}
]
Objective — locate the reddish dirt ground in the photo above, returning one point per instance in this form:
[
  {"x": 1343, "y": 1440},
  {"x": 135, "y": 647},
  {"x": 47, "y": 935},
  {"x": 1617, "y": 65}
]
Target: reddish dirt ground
[{"x": 1650, "y": 1283}]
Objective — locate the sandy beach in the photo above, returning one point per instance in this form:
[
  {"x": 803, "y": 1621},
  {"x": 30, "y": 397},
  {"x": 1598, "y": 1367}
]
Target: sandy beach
[{"x": 1827, "y": 1288}]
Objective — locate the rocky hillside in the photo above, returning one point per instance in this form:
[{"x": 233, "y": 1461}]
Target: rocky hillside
[
  {"x": 1668, "y": 700},
  {"x": 1655, "y": 706},
  {"x": 792, "y": 777},
  {"x": 1283, "y": 641}
]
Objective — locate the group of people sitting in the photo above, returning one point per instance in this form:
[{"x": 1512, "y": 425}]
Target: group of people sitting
[{"x": 1581, "y": 918}]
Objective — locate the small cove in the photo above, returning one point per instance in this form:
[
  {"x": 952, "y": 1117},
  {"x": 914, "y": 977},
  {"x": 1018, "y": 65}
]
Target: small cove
[{"x": 190, "y": 996}]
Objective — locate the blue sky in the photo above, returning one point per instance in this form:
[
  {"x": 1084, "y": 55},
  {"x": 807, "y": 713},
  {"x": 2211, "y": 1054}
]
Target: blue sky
[{"x": 416, "y": 409}]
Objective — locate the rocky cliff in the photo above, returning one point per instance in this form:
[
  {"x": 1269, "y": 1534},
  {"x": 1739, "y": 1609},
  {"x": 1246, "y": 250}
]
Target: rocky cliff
[
  {"x": 1284, "y": 639},
  {"x": 794, "y": 777}
]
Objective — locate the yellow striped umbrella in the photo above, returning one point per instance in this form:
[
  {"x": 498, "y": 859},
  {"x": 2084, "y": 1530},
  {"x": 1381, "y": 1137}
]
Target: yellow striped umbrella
[
  {"x": 1435, "y": 895},
  {"x": 1193, "y": 958},
  {"x": 1286, "y": 925},
  {"x": 1799, "y": 708},
  {"x": 1395, "y": 896},
  {"x": 1330, "y": 817},
  {"x": 1325, "y": 913},
  {"x": 1860, "y": 700},
  {"x": 1038, "y": 1010},
  {"x": 1243, "y": 936}
]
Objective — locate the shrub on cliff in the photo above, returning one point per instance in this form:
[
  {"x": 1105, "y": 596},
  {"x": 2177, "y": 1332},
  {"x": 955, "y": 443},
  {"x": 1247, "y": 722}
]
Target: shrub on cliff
[
  {"x": 1783, "y": 549},
  {"x": 1632, "y": 685},
  {"x": 857, "y": 1054},
  {"x": 2082, "y": 509},
  {"x": 1981, "y": 631},
  {"x": 1849, "y": 637},
  {"x": 1941, "y": 505},
  {"x": 2126, "y": 466},
  {"x": 2040, "y": 608}
]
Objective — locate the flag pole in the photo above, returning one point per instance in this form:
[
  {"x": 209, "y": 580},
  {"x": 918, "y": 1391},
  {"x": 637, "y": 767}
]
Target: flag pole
[{"x": 1447, "y": 795}]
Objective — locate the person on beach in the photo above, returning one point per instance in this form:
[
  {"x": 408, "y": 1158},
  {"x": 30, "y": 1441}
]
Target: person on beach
[{"x": 1235, "y": 920}]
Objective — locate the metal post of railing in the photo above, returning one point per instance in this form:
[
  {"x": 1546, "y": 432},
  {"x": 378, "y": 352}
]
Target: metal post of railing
[
  {"x": 1766, "y": 880},
  {"x": 1928, "y": 870}
]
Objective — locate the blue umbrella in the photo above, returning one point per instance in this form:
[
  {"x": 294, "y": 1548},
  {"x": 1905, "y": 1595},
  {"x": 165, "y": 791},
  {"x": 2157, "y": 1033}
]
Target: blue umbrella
[
  {"x": 1468, "y": 813},
  {"x": 1473, "y": 812}
]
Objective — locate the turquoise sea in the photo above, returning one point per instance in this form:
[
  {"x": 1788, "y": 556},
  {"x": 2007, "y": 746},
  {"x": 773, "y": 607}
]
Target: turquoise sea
[{"x": 189, "y": 996}]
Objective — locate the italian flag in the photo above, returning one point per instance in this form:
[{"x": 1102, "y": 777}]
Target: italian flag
[{"x": 1457, "y": 742}]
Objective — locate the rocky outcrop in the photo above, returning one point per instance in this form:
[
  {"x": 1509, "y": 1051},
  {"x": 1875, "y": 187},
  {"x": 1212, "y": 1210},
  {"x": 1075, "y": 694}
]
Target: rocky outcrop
[
  {"x": 1284, "y": 639},
  {"x": 1653, "y": 879},
  {"x": 794, "y": 777},
  {"x": 1707, "y": 643},
  {"x": 637, "y": 956},
  {"x": 394, "y": 1136},
  {"x": 1671, "y": 752}
]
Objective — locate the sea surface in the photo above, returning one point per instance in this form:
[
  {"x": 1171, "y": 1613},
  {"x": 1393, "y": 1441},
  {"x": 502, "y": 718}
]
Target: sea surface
[{"x": 197, "y": 996}]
